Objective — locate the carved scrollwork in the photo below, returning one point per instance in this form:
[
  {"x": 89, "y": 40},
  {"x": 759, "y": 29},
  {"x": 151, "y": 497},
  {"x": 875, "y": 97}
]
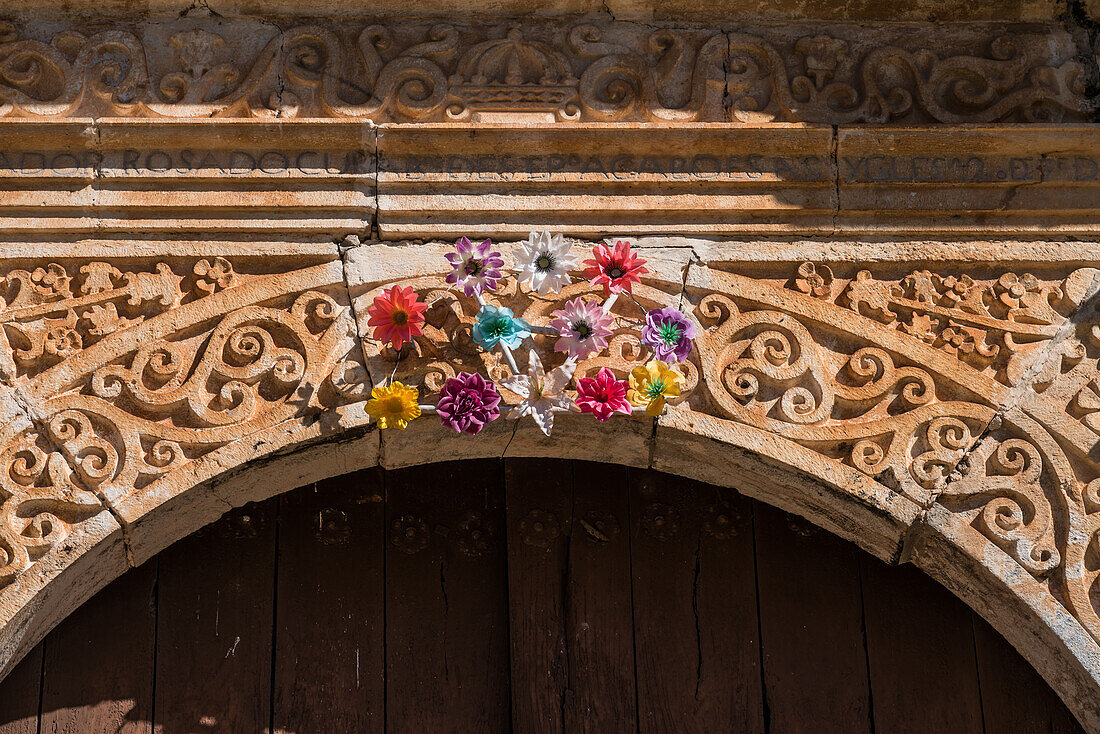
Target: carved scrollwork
[
  {"x": 39, "y": 503},
  {"x": 175, "y": 401},
  {"x": 586, "y": 72},
  {"x": 153, "y": 369}
]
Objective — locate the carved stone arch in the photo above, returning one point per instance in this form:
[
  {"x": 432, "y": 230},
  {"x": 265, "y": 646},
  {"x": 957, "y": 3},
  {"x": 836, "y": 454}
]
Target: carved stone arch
[
  {"x": 928, "y": 415},
  {"x": 895, "y": 292}
]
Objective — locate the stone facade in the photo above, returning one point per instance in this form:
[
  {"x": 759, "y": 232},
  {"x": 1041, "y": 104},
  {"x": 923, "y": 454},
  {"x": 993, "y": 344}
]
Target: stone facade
[{"x": 898, "y": 334}]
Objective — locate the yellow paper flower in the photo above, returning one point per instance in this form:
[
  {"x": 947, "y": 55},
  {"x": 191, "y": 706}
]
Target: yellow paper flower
[
  {"x": 393, "y": 406},
  {"x": 650, "y": 384}
]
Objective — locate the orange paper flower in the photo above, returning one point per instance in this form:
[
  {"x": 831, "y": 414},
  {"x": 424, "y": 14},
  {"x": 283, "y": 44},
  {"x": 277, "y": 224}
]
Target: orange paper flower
[{"x": 396, "y": 316}]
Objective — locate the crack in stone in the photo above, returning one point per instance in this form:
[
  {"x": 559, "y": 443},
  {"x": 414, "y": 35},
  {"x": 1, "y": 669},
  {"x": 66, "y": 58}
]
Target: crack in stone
[
  {"x": 695, "y": 612},
  {"x": 834, "y": 145},
  {"x": 1016, "y": 397}
]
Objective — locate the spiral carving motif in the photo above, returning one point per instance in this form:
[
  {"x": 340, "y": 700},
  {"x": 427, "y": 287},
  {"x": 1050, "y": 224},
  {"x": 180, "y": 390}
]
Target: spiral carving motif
[{"x": 594, "y": 73}]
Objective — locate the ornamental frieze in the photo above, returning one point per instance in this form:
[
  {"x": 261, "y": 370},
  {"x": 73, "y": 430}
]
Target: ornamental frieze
[
  {"x": 936, "y": 390},
  {"x": 565, "y": 71}
]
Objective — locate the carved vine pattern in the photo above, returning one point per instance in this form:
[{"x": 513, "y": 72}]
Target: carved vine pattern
[
  {"x": 450, "y": 73},
  {"x": 807, "y": 361}
]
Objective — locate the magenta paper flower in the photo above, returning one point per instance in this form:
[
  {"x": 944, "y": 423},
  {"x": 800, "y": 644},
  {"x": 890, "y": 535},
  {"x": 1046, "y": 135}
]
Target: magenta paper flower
[
  {"x": 602, "y": 395},
  {"x": 584, "y": 328},
  {"x": 669, "y": 333},
  {"x": 474, "y": 267},
  {"x": 467, "y": 402}
]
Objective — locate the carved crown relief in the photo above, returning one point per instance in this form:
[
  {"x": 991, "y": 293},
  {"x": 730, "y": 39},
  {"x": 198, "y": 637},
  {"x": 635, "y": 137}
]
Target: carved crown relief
[{"x": 576, "y": 72}]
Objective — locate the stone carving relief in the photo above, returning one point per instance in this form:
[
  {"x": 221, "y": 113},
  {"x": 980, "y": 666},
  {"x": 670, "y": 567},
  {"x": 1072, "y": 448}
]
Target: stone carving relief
[
  {"x": 974, "y": 392},
  {"x": 571, "y": 72},
  {"x": 192, "y": 364},
  {"x": 40, "y": 500}
]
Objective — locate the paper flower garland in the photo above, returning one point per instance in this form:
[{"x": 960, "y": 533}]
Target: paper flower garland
[
  {"x": 650, "y": 384},
  {"x": 393, "y": 405},
  {"x": 616, "y": 270},
  {"x": 582, "y": 329},
  {"x": 602, "y": 395},
  {"x": 540, "y": 392},
  {"x": 495, "y": 324},
  {"x": 669, "y": 333}
]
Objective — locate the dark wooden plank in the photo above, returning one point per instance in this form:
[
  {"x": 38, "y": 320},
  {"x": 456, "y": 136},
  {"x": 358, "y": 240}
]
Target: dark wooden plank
[
  {"x": 446, "y": 599},
  {"x": 329, "y": 659},
  {"x": 19, "y": 695},
  {"x": 695, "y": 623},
  {"x": 1015, "y": 698},
  {"x": 539, "y": 498},
  {"x": 216, "y": 591},
  {"x": 920, "y": 652},
  {"x": 599, "y": 613},
  {"x": 98, "y": 674},
  {"x": 811, "y": 617}
]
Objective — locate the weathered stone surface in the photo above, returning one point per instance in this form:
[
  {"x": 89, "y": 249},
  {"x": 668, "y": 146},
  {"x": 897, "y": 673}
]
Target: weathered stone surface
[
  {"x": 889, "y": 401},
  {"x": 587, "y": 69},
  {"x": 782, "y": 10},
  {"x": 901, "y": 343}
]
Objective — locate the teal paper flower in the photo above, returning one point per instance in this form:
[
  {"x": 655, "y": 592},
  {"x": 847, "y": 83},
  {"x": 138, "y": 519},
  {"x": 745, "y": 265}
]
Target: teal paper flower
[{"x": 495, "y": 324}]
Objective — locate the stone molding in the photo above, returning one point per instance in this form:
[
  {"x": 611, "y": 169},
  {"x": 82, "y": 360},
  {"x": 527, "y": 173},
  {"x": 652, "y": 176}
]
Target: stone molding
[
  {"x": 301, "y": 180},
  {"x": 942, "y": 413},
  {"x": 565, "y": 70}
]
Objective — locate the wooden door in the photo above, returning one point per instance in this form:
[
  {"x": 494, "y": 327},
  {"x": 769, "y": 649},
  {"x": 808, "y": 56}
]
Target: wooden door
[{"x": 526, "y": 596}]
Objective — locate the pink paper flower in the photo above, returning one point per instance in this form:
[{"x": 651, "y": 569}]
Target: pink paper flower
[
  {"x": 602, "y": 395},
  {"x": 584, "y": 328},
  {"x": 615, "y": 269}
]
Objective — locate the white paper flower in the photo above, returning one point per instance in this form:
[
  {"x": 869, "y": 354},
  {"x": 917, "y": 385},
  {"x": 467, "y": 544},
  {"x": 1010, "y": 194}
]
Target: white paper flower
[
  {"x": 541, "y": 392},
  {"x": 544, "y": 262}
]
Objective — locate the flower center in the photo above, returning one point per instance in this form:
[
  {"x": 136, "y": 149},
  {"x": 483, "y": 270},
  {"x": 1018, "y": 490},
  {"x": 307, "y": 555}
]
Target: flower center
[
  {"x": 399, "y": 317},
  {"x": 466, "y": 401},
  {"x": 395, "y": 405},
  {"x": 473, "y": 267},
  {"x": 545, "y": 261},
  {"x": 669, "y": 334},
  {"x": 615, "y": 272},
  {"x": 499, "y": 327},
  {"x": 582, "y": 330},
  {"x": 655, "y": 389}
]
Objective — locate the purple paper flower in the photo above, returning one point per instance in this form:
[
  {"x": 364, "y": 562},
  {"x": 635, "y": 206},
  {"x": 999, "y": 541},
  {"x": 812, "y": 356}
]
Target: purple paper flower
[
  {"x": 474, "y": 267},
  {"x": 467, "y": 402},
  {"x": 669, "y": 333}
]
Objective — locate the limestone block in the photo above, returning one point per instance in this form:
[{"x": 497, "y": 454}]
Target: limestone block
[
  {"x": 983, "y": 180},
  {"x": 449, "y": 180},
  {"x": 633, "y": 10},
  {"x": 121, "y": 176}
]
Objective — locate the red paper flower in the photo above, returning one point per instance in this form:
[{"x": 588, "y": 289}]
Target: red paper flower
[
  {"x": 396, "y": 316},
  {"x": 602, "y": 395},
  {"x": 616, "y": 270}
]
